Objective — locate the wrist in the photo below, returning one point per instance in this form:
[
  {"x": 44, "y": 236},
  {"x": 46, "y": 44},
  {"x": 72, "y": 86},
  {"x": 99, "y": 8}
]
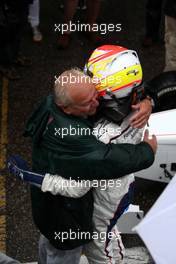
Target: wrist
[{"x": 149, "y": 99}]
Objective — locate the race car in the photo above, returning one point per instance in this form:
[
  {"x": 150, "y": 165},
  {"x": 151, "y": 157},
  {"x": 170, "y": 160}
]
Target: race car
[{"x": 162, "y": 123}]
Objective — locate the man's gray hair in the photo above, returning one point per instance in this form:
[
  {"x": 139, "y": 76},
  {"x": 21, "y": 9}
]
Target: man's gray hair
[{"x": 63, "y": 84}]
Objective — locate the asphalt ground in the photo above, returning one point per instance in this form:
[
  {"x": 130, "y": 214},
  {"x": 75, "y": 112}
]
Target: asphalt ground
[{"x": 21, "y": 237}]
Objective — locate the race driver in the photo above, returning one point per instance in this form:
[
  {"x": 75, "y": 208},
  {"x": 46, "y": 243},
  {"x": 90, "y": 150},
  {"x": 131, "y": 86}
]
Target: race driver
[{"x": 118, "y": 74}]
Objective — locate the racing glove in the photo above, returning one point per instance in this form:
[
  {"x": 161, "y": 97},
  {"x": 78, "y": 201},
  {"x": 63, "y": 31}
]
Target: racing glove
[
  {"x": 19, "y": 168},
  {"x": 47, "y": 182}
]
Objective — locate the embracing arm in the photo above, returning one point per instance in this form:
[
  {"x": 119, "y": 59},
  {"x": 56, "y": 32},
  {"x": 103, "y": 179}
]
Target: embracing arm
[
  {"x": 47, "y": 182},
  {"x": 106, "y": 162},
  {"x": 143, "y": 110}
]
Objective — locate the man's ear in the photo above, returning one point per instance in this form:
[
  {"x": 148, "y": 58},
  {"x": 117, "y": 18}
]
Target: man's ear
[{"x": 65, "y": 109}]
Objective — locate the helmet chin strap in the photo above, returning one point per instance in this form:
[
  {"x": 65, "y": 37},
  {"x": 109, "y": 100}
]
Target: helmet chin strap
[
  {"x": 112, "y": 95},
  {"x": 115, "y": 109}
]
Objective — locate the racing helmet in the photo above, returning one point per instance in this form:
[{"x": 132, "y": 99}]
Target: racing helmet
[{"x": 117, "y": 74}]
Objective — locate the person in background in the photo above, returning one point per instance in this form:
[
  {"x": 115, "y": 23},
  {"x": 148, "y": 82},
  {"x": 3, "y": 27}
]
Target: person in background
[
  {"x": 170, "y": 35},
  {"x": 34, "y": 20},
  {"x": 153, "y": 17},
  {"x": 93, "y": 8},
  {"x": 14, "y": 17}
]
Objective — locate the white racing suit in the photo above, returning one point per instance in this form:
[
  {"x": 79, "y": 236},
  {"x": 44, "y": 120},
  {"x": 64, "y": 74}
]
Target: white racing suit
[{"x": 109, "y": 202}]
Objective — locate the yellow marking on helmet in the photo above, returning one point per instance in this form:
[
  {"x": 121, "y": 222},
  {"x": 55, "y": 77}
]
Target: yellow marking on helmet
[{"x": 120, "y": 79}]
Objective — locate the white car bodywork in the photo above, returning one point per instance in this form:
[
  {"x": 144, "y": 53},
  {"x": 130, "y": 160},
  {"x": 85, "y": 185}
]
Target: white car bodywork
[{"x": 163, "y": 125}]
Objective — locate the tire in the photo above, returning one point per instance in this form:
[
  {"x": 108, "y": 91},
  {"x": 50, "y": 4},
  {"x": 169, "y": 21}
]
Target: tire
[{"x": 162, "y": 89}]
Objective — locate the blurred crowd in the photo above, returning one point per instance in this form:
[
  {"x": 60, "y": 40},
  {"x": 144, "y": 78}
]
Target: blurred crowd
[
  {"x": 14, "y": 15},
  {"x": 159, "y": 12}
]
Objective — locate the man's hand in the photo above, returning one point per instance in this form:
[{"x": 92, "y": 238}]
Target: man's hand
[
  {"x": 143, "y": 111},
  {"x": 152, "y": 141}
]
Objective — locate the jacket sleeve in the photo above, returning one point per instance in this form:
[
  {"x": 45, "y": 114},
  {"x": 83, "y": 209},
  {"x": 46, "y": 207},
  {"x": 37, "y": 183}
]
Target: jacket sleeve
[
  {"x": 68, "y": 188},
  {"x": 104, "y": 162},
  {"x": 83, "y": 157},
  {"x": 119, "y": 160}
]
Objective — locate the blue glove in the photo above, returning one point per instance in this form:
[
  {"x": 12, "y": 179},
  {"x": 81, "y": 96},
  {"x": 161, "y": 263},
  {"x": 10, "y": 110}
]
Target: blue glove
[{"x": 19, "y": 168}]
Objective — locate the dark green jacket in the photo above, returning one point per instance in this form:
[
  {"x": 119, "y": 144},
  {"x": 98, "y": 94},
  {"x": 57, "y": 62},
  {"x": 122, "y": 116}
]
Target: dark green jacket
[{"x": 79, "y": 156}]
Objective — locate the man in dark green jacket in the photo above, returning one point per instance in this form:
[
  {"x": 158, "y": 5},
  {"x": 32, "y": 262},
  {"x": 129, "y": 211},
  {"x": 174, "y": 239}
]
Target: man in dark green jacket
[{"x": 63, "y": 143}]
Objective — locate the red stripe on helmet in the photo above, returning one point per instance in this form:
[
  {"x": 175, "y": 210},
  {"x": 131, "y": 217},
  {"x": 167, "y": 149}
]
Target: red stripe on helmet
[
  {"x": 114, "y": 50},
  {"x": 102, "y": 93}
]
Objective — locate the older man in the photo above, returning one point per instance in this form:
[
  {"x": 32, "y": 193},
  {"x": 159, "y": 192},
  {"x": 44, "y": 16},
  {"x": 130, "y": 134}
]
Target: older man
[{"x": 64, "y": 222}]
